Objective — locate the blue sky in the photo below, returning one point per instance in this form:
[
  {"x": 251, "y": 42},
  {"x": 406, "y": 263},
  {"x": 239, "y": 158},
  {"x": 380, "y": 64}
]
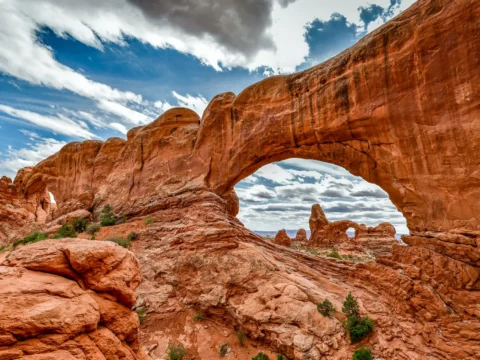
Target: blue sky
[{"x": 72, "y": 71}]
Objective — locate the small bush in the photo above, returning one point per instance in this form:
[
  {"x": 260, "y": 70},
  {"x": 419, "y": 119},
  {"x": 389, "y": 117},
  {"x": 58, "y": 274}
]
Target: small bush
[
  {"x": 66, "y": 231},
  {"x": 334, "y": 254},
  {"x": 241, "y": 337},
  {"x": 80, "y": 225},
  {"x": 30, "y": 239},
  {"x": 326, "y": 308},
  {"x": 119, "y": 241},
  {"x": 142, "y": 314},
  {"x": 121, "y": 220},
  {"x": 198, "y": 317},
  {"x": 360, "y": 329},
  {"x": 3, "y": 248},
  {"x": 260, "y": 356},
  {"x": 93, "y": 228},
  {"x": 350, "y": 307},
  {"x": 107, "y": 217},
  {"x": 362, "y": 354},
  {"x": 132, "y": 236},
  {"x": 148, "y": 220},
  {"x": 282, "y": 357},
  {"x": 223, "y": 349},
  {"x": 176, "y": 352}
]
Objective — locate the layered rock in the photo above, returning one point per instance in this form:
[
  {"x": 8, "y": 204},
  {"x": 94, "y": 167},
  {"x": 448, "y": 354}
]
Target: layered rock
[
  {"x": 69, "y": 299},
  {"x": 399, "y": 109},
  {"x": 282, "y": 238}
]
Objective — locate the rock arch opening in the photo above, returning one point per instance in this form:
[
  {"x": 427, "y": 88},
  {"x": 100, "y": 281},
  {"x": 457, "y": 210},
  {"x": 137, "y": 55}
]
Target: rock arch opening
[{"x": 280, "y": 196}]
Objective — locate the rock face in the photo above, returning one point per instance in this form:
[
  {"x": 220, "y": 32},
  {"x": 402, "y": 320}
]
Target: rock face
[
  {"x": 301, "y": 236},
  {"x": 400, "y": 109},
  {"x": 282, "y": 238},
  {"x": 69, "y": 299}
]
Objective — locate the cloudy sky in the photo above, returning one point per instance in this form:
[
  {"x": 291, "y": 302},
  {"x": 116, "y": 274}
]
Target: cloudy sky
[{"x": 74, "y": 70}]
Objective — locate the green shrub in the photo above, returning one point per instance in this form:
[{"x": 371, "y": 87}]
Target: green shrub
[
  {"x": 93, "y": 228},
  {"x": 334, "y": 254},
  {"x": 66, "y": 231},
  {"x": 362, "y": 354},
  {"x": 122, "y": 220},
  {"x": 326, "y": 308},
  {"x": 198, "y": 317},
  {"x": 30, "y": 239},
  {"x": 80, "y": 225},
  {"x": 360, "y": 328},
  {"x": 142, "y": 314},
  {"x": 241, "y": 337},
  {"x": 107, "y": 217},
  {"x": 132, "y": 236},
  {"x": 3, "y": 248},
  {"x": 260, "y": 356},
  {"x": 223, "y": 349},
  {"x": 122, "y": 242},
  {"x": 350, "y": 307},
  {"x": 148, "y": 220},
  {"x": 282, "y": 357},
  {"x": 176, "y": 352}
]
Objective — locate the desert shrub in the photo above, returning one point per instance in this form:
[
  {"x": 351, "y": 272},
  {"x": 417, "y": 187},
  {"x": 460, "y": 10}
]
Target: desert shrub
[
  {"x": 350, "y": 307},
  {"x": 30, "y": 239},
  {"x": 141, "y": 313},
  {"x": 132, "y": 236},
  {"x": 148, "y": 220},
  {"x": 119, "y": 241},
  {"x": 282, "y": 357},
  {"x": 260, "y": 356},
  {"x": 334, "y": 254},
  {"x": 93, "y": 228},
  {"x": 326, "y": 308},
  {"x": 362, "y": 354},
  {"x": 223, "y": 349},
  {"x": 107, "y": 217},
  {"x": 121, "y": 220},
  {"x": 176, "y": 352},
  {"x": 312, "y": 251},
  {"x": 66, "y": 231},
  {"x": 241, "y": 337},
  {"x": 360, "y": 329},
  {"x": 80, "y": 225},
  {"x": 3, "y": 248},
  {"x": 198, "y": 317}
]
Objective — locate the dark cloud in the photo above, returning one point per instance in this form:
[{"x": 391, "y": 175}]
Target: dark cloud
[
  {"x": 333, "y": 193},
  {"x": 370, "y": 13},
  {"x": 328, "y": 38},
  {"x": 238, "y": 25}
]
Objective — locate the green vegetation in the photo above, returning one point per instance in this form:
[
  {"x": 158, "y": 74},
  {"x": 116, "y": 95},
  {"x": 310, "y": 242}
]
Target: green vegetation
[
  {"x": 224, "y": 349},
  {"x": 66, "y": 231},
  {"x": 142, "y": 314},
  {"x": 357, "y": 326},
  {"x": 148, "y": 220},
  {"x": 119, "y": 241},
  {"x": 80, "y": 225},
  {"x": 241, "y": 337},
  {"x": 107, "y": 217},
  {"x": 3, "y": 248},
  {"x": 362, "y": 354},
  {"x": 176, "y": 352},
  {"x": 260, "y": 356},
  {"x": 334, "y": 254},
  {"x": 30, "y": 239},
  {"x": 93, "y": 228},
  {"x": 282, "y": 357},
  {"x": 326, "y": 308},
  {"x": 198, "y": 317},
  {"x": 132, "y": 236}
]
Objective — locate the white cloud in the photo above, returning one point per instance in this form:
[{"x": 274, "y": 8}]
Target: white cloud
[
  {"x": 119, "y": 128},
  {"x": 59, "y": 125},
  {"x": 275, "y": 173},
  {"x": 32, "y": 135},
  {"x": 197, "y": 104},
  {"x": 16, "y": 159},
  {"x": 131, "y": 116}
]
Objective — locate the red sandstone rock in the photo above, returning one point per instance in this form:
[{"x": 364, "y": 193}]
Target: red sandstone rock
[
  {"x": 400, "y": 109},
  {"x": 48, "y": 308},
  {"x": 301, "y": 236},
  {"x": 283, "y": 239}
]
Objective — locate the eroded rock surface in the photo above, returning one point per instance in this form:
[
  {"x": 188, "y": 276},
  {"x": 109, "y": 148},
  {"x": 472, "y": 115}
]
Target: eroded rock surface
[
  {"x": 69, "y": 299},
  {"x": 400, "y": 109},
  {"x": 282, "y": 238}
]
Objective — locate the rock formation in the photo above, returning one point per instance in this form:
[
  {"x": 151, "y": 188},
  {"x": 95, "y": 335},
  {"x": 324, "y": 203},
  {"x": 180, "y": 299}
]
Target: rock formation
[
  {"x": 69, "y": 299},
  {"x": 282, "y": 238},
  {"x": 400, "y": 109},
  {"x": 301, "y": 236}
]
